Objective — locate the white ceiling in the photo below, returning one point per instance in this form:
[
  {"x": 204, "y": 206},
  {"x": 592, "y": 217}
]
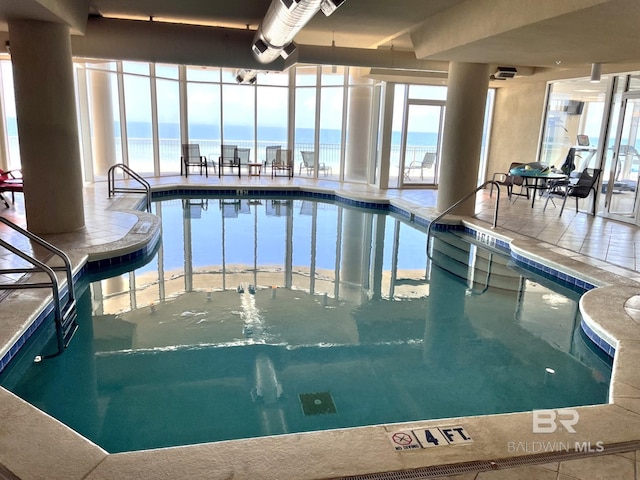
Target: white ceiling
[{"x": 557, "y": 38}]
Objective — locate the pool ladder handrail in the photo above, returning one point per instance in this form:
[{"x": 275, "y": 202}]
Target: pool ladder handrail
[
  {"x": 111, "y": 182},
  {"x": 65, "y": 317},
  {"x": 463, "y": 199}
]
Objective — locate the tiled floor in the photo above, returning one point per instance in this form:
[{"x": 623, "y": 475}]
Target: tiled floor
[{"x": 610, "y": 244}]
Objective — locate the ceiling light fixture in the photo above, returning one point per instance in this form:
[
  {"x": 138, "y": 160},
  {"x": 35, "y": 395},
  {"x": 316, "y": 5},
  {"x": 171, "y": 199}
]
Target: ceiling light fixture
[{"x": 596, "y": 69}]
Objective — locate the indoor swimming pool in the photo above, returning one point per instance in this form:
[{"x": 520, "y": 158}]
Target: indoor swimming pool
[{"x": 268, "y": 316}]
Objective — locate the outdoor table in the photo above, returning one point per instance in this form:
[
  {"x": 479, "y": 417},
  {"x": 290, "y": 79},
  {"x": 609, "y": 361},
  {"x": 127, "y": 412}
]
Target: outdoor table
[{"x": 539, "y": 177}]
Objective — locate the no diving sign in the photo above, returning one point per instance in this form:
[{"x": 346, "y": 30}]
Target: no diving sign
[{"x": 429, "y": 437}]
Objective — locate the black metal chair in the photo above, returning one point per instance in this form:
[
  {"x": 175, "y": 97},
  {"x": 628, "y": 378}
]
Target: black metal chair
[
  {"x": 282, "y": 163},
  {"x": 270, "y": 155},
  {"x": 229, "y": 159},
  {"x": 581, "y": 189},
  {"x": 191, "y": 158},
  {"x": 510, "y": 181}
]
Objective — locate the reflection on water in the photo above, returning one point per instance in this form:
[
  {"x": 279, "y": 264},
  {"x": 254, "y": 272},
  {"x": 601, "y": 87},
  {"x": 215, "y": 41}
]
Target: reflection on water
[{"x": 273, "y": 316}]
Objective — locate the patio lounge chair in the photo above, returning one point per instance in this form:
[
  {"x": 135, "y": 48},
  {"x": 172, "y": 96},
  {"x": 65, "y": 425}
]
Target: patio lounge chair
[
  {"x": 191, "y": 158},
  {"x": 427, "y": 162},
  {"x": 282, "y": 163},
  {"x": 309, "y": 163},
  {"x": 270, "y": 155},
  {"x": 229, "y": 159}
]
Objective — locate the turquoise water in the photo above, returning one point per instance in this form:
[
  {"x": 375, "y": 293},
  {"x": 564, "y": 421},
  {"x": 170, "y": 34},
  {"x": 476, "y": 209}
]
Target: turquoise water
[{"x": 268, "y": 316}]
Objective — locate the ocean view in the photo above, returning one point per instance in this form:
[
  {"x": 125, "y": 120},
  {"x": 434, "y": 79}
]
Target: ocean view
[{"x": 141, "y": 130}]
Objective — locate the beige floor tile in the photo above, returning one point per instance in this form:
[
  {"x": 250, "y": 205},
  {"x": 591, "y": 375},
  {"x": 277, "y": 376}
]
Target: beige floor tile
[
  {"x": 520, "y": 473},
  {"x": 605, "y": 467}
]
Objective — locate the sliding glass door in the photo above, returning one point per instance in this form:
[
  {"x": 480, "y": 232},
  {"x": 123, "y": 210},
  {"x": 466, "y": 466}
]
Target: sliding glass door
[
  {"x": 421, "y": 142},
  {"x": 620, "y": 179}
]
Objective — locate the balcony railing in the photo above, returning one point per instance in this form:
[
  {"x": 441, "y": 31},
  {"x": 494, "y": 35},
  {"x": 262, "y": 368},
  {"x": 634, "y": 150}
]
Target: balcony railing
[{"x": 140, "y": 153}]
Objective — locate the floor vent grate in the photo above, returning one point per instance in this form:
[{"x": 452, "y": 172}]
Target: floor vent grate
[{"x": 488, "y": 465}]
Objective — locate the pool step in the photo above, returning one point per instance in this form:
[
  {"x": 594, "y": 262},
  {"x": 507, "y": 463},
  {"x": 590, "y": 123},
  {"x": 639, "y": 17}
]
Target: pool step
[
  {"x": 456, "y": 252},
  {"x": 69, "y": 321}
]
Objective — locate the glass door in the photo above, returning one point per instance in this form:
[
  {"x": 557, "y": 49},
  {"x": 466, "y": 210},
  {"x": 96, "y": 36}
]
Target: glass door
[
  {"x": 421, "y": 142},
  {"x": 620, "y": 182}
]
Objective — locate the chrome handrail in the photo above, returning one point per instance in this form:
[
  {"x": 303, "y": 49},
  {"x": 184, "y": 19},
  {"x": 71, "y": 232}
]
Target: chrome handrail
[
  {"x": 111, "y": 182},
  {"x": 42, "y": 267},
  {"x": 466, "y": 197}
]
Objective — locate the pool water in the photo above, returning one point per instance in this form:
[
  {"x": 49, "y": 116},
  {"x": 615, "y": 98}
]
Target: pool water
[{"x": 272, "y": 316}]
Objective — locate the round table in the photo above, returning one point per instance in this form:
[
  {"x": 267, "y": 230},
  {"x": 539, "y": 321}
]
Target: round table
[{"x": 540, "y": 178}]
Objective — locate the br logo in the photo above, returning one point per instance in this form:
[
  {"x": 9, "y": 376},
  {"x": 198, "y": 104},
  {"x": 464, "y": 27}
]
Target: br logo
[{"x": 549, "y": 421}]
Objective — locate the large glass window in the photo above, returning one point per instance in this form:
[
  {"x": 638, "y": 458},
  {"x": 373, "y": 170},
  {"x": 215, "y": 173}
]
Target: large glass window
[
  {"x": 272, "y": 112},
  {"x": 238, "y": 107},
  {"x": 203, "y": 113},
  {"x": 329, "y": 149},
  {"x": 427, "y": 92},
  {"x": 137, "y": 99},
  {"x": 305, "y": 120},
  {"x": 334, "y": 118},
  {"x": 396, "y": 135},
  {"x": 9, "y": 112},
  {"x": 574, "y": 119},
  {"x": 168, "y": 104}
]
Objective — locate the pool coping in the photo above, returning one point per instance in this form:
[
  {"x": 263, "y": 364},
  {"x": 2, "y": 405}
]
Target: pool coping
[{"x": 33, "y": 444}]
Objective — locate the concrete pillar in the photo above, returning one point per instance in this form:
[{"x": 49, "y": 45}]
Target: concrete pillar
[
  {"x": 103, "y": 133},
  {"x": 386, "y": 130},
  {"x": 355, "y": 239},
  {"x": 462, "y": 135},
  {"x": 359, "y": 128},
  {"x": 47, "y": 126}
]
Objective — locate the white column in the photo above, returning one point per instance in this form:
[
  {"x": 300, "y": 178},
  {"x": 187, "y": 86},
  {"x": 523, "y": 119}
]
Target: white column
[
  {"x": 47, "y": 126},
  {"x": 385, "y": 129},
  {"x": 462, "y": 135},
  {"x": 359, "y": 128},
  {"x": 104, "y": 147}
]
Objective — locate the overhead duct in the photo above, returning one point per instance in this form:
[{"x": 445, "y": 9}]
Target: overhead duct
[{"x": 284, "y": 19}]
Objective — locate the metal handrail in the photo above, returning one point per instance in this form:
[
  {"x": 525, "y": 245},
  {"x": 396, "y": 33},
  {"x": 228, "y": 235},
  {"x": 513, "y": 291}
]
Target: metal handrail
[
  {"x": 42, "y": 267},
  {"x": 471, "y": 290},
  {"x": 466, "y": 197},
  {"x": 111, "y": 182}
]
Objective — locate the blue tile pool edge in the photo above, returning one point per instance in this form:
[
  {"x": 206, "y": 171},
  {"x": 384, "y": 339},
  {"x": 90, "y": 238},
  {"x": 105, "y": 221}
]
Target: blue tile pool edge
[
  {"x": 121, "y": 260},
  {"x": 43, "y": 315},
  {"x": 87, "y": 269}
]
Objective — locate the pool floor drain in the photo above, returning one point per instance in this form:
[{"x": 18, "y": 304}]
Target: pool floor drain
[{"x": 319, "y": 403}]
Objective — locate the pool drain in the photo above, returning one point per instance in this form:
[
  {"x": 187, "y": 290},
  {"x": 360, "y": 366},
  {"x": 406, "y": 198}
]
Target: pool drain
[{"x": 319, "y": 403}]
